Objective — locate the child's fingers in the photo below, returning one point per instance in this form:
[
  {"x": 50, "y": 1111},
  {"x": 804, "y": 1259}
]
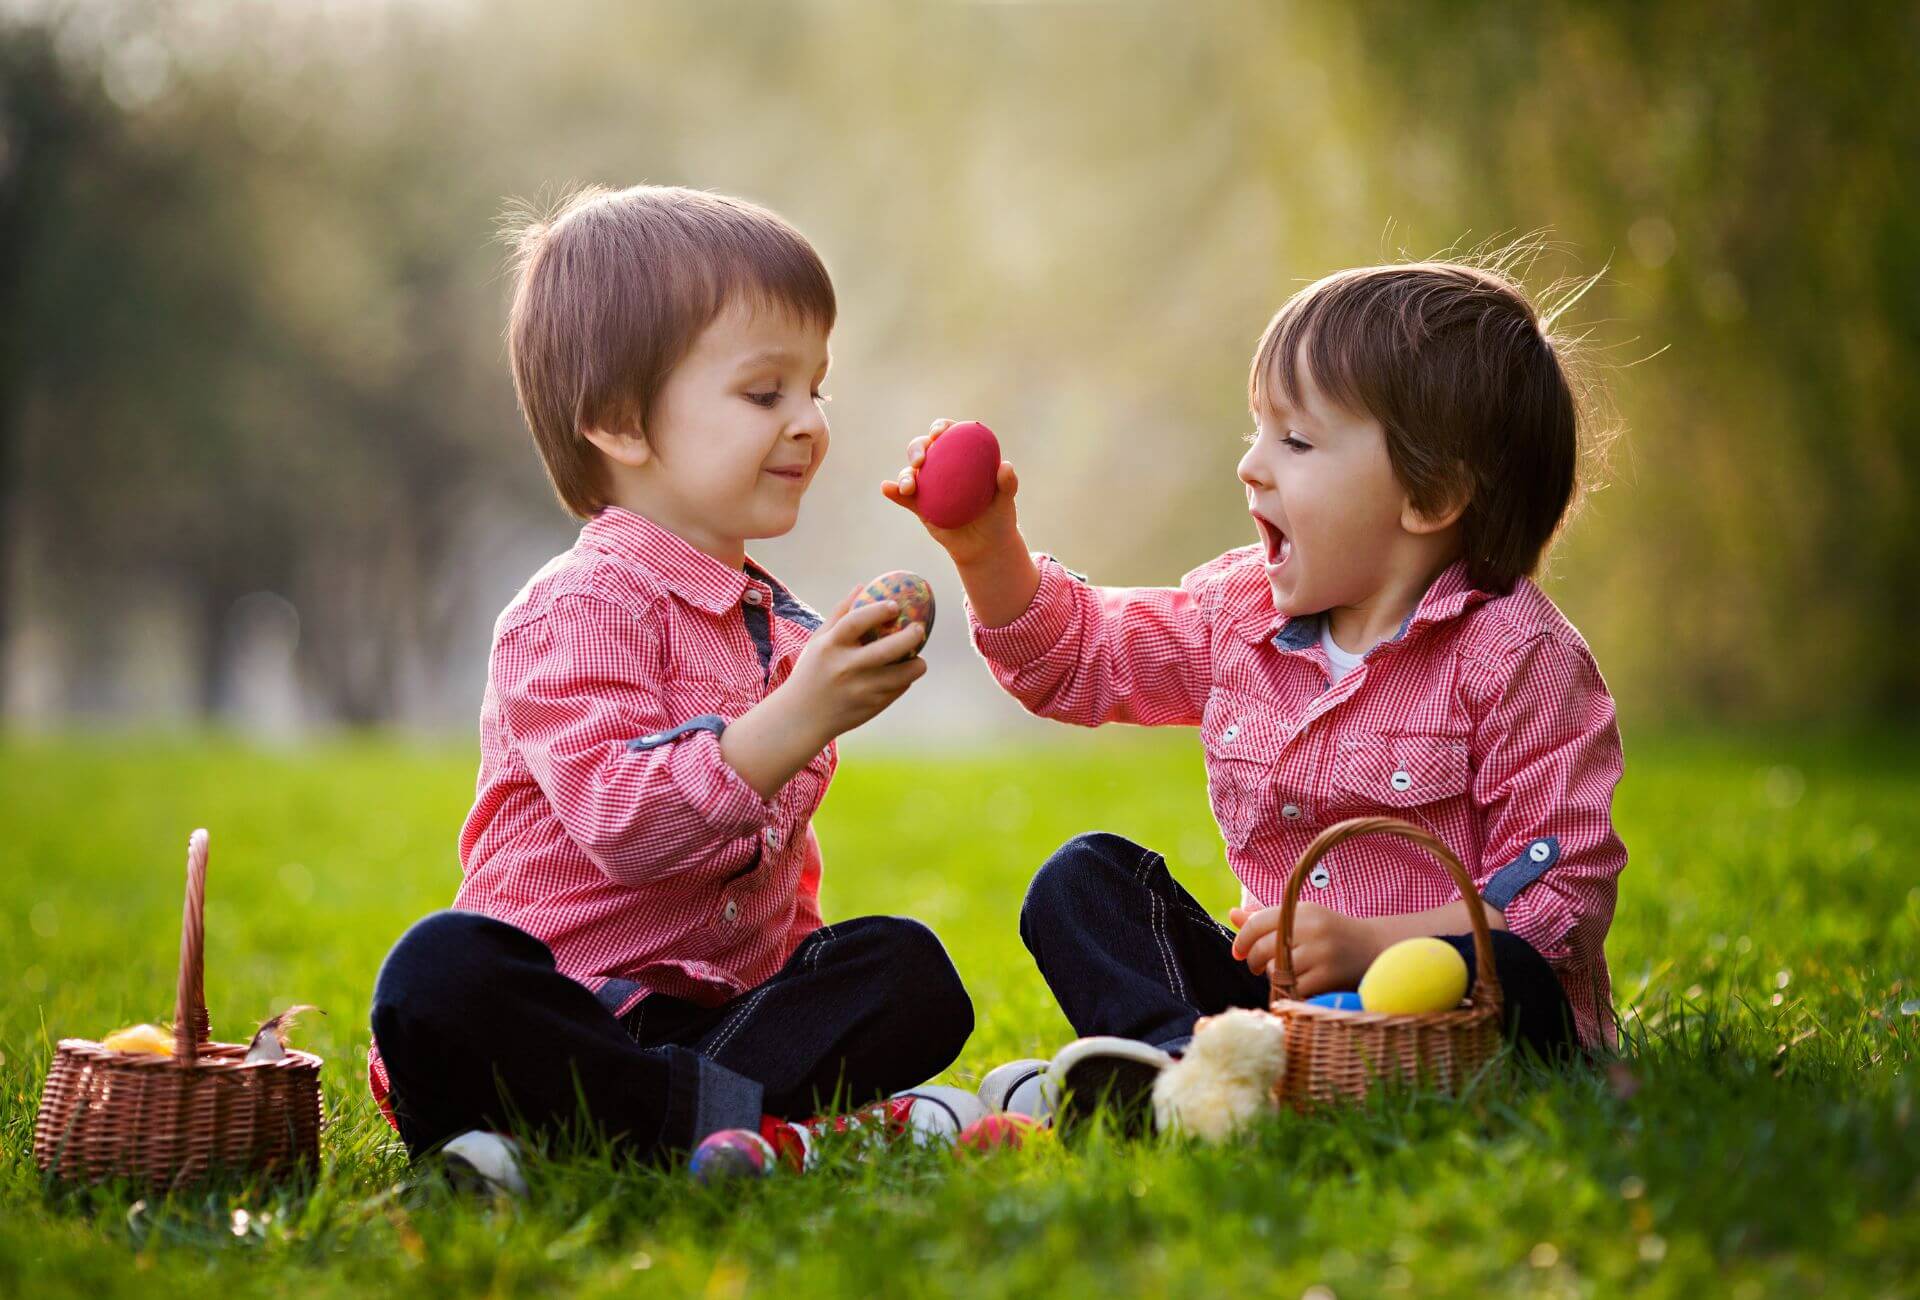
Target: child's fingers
[
  {"x": 895, "y": 678},
  {"x": 858, "y": 622},
  {"x": 1261, "y": 954},
  {"x": 1237, "y": 916},
  {"x": 1006, "y": 482},
  {"x": 891, "y": 648},
  {"x": 892, "y": 491}
]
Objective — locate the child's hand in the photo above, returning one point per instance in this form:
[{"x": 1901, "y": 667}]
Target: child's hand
[
  {"x": 836, "y": 684},
  {"x": 995, "y": 529},
  {"x": 843, "y": 683},
  {"x": 1331, "y": 951}
]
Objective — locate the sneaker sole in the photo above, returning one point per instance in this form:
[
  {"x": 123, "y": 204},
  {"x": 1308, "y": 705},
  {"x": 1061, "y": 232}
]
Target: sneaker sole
[{"x": 1123, "y": 1088}]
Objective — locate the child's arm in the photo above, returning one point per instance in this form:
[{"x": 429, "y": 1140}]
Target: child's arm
[
  {"x": 648, "y": 794},
  {"x": 1065, "y": 649},
  {"x": 1546, "y": 758}
]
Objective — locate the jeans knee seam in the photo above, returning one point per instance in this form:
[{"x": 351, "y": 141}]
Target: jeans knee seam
[
  {"x": 737, "y": 1021},
  {"x": 1156, "y": 922}
]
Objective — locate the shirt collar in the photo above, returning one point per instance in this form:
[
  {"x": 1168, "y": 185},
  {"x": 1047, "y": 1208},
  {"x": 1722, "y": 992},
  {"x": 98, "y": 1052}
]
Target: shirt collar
[
  {"x": 1448, "y": 596},
  {"x": 687, "y": 571}
]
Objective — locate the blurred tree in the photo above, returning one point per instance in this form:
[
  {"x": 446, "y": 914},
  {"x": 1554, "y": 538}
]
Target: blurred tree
[{"x": 252, "y": 306}]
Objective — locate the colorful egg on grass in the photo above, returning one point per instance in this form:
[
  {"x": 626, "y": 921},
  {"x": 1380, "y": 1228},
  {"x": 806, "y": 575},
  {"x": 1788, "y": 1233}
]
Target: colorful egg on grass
[
  {"x": 730, "y": 1154},
  {"x": 957, "y": 480},
  {"x": 912, "y": 593},
  {"x": 1001, "y": 1131},
  {"x": 1342, "y": 1001},
  {"x": 1415, "y": 977}
]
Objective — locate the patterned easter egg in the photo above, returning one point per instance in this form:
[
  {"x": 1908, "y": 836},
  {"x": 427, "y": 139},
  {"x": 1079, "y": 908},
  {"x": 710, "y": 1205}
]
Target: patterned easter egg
[
  {"x": 730, "y": 1154},
  {"x": 913, "y": 594}
]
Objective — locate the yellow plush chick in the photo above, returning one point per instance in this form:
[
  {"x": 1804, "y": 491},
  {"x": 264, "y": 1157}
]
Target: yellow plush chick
[
  {"x": 1415, "y": 977},
  {"x": 151, "y": 1039}
]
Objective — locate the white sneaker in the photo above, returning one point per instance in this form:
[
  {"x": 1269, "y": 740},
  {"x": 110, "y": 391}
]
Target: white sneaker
[
  {"x": 937, "y": 1114},
  {"x": 485, "y": 1161},
  {"x": 1019, "y": 1088},
  {"x": 1117, "y": 1073}
]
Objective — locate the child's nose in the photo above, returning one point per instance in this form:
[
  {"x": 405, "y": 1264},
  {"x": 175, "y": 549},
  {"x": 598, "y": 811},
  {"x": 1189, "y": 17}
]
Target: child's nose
[{"x": 1253, "y": 472}]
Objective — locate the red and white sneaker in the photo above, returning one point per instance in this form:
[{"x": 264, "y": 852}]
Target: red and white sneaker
[{"x": 930, "y": 1115}]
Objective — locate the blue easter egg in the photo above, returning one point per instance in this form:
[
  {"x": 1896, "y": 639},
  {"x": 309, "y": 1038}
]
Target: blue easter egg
[{"x": 1336, "y": 1001}]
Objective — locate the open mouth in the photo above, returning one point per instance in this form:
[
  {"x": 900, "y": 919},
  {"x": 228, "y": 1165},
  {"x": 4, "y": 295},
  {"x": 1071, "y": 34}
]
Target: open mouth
[{"x": 1277, "y": 544}]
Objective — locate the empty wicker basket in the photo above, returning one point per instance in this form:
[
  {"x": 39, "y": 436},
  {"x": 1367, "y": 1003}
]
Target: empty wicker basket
[
  {"x": 1339, "y": 1056},
  {"x": 171, "y": 1120}
]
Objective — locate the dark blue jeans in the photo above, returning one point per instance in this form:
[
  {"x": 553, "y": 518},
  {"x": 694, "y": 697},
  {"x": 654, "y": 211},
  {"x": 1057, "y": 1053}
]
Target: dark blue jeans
[
  {"x": 1127, "y": 951},
  {"x": 479, "y": 1030}
]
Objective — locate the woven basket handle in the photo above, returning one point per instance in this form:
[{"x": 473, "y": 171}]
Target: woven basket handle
[
  {"x": 1486, "y": 983},
  {"x": 190, "y": 1000}
]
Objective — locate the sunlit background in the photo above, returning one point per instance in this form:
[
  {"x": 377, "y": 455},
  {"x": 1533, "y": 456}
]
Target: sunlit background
[{"x": 260, "y": 464}]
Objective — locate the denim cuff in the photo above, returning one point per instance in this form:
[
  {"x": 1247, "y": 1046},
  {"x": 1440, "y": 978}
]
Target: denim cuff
[{"x": 704, "y": 1098}]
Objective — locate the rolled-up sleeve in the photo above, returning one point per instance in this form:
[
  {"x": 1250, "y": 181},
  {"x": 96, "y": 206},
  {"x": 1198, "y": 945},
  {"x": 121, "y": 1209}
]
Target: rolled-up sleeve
[
  {"x": 644, "y": 794},
  {"x": 1089, "y": 655},
  {"x": 1547, "y": 759}
]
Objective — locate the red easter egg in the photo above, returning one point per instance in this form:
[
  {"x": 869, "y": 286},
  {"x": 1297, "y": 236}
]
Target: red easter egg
[
  {"x": 956, "y": 481},
  {"x": 993, "y": 1132}
]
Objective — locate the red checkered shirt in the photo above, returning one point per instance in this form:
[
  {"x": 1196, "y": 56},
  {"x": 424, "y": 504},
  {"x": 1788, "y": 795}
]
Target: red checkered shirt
[
  {"x": 1484, "y": 719},
  {"x": 605, "y": 822}
]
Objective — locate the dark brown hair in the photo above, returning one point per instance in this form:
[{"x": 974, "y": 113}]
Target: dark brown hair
[
  {"x": 611, "y": 290},
  {"x": 1467, "y": 380}
]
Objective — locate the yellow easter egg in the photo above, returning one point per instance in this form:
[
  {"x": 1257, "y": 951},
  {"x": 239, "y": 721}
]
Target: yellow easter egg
[
  {"x": 1414, "y": 977},
  {"x": 151, "y": 1039}
]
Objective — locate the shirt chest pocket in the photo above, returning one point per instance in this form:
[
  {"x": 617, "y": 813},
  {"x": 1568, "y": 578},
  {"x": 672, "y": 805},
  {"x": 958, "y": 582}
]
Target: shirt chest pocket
[
  {"x": 1399, "y": 771},
  {"x": 1243, "y": 751}
]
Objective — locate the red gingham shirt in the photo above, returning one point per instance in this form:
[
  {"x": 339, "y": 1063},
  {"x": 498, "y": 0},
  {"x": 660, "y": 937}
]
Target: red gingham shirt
[
  {"x": 605, "y": 823},
  {"x": 1484, "y": 720}
]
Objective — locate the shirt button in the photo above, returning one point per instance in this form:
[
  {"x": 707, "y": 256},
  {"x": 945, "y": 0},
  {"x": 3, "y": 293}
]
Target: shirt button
[
  {"x": 731, "y": 910},
  {"x": 1232, "y": 733},
  {"x": 1290, "y": 810},
  {"x": 753, "y": 596},
  {"x": 1400, "y": 781},
  {"x": 1320, "y": 877},
  {"x": 773, "y": 837},
  {"x": 1538, "y": 851}
]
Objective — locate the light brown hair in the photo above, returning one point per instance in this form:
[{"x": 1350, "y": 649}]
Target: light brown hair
[
  {"x": 611, "y": 289},
  {"x": 1469, "y": 383}
]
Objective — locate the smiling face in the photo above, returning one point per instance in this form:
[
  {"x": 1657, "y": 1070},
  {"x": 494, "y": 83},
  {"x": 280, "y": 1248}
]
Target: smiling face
[
  {"x": 1336, "y": 525},
  {"x": 735, "y": 437}
]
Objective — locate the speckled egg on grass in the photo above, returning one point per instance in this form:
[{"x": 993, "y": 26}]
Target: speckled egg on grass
[
  {"x": 915, "y": 598},
  {"x": 730, "y": 1154}
]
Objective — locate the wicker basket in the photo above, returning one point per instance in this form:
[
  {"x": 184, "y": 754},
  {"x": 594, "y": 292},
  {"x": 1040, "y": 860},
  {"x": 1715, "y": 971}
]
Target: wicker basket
[
  {"x": 1338, "y": 1056},
  {"x": 171, "y": 1120}
]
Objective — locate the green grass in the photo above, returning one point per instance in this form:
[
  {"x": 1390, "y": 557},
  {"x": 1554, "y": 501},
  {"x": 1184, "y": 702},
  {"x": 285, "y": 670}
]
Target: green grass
[{"x": 1761, "y": 1137}]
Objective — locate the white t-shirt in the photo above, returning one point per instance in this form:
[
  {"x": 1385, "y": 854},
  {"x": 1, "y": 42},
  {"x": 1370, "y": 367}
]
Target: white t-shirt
[{"x": 1339, "y": 662}]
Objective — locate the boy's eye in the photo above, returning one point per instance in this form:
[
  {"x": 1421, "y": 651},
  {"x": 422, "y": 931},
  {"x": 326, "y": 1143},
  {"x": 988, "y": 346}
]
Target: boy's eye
[
  {"x": 822, "y": 397},
  {"x": 1292, "y": 443},
  {"x": 764, "y": 399}
]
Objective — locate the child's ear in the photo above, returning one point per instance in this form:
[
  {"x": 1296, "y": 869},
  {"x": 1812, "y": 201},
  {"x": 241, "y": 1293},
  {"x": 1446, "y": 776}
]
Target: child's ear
[
  {"x": 1452, "y": 504},
  {"x": 628, "y": 447}
]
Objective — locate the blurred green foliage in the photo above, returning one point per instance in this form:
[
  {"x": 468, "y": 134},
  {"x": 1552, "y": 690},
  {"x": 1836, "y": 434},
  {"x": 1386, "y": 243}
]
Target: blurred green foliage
[{"x": 252, "y": 303}]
